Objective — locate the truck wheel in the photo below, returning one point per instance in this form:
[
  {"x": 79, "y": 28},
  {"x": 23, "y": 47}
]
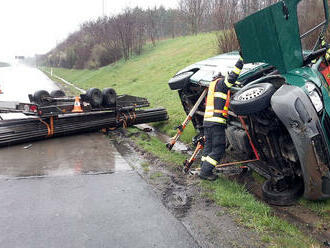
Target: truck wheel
[
  {"x": 252, "y": 99},
  {"x": 57, "y": 93},
  {"x": 109, "y": 97},
  {"x": 284, "y": 198},
  {"x": 40, "y": 96},
  {"x": 94, "y": 96},
  {"x": 180, "y": 81}
]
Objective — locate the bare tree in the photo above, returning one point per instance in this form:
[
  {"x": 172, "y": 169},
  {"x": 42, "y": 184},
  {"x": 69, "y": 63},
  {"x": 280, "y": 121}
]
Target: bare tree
[
  {"x": 139, "y": 30},
  {"x": 224, "y": 13},
  {"x": 152, "y": 25},
  {"x": 193, "y": 11},
  {"x": 108, "y": 39},
  {"x": 124, "y": 31}
]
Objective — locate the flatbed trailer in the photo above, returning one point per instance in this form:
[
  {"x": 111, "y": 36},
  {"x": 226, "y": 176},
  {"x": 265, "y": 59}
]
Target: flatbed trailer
[{"x": 54, "y": 116}]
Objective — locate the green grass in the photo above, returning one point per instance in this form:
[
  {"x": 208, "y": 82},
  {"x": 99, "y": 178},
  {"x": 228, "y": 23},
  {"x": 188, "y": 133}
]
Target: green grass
[
  {"x": 69, "y": 90},
  {"x": 321, "y": 208},
  {"x": 156, "y": 175},
  {"x": 147, "y": 75},
  {"x": 156, "y": 147},
  {"x": 145, "y": 166},
  {"x": 258, "y": 178},
  {"x": 256, "y": 215}
]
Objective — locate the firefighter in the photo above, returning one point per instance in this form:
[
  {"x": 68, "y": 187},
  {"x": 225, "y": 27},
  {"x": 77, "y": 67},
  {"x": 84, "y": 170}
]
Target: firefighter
[{"x": 215, "y": 120}]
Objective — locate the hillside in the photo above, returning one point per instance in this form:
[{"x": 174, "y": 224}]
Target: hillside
[{"x": 147, "y": 75}]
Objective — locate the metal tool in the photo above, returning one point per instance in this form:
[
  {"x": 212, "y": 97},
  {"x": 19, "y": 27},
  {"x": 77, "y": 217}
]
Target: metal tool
[
  {"x": 188, "y": 163},
  {"x": 181, "y": 128}
]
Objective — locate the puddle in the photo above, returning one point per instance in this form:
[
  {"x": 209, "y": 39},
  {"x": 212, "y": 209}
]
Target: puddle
[{"x": 80, "y": 154}]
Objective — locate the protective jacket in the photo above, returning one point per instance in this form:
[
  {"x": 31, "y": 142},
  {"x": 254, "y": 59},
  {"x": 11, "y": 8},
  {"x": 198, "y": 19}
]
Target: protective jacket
[{"x": 217, "y": 103}]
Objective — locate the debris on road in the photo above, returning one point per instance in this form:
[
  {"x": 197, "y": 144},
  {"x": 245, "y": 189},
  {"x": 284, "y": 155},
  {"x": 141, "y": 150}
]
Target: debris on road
[
  {"x": 28, "y": 146},
  {"x": 145, "y": 128}
]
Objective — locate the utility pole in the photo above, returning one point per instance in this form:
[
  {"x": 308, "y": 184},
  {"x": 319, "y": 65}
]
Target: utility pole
[{"x": 103, "y": 7}]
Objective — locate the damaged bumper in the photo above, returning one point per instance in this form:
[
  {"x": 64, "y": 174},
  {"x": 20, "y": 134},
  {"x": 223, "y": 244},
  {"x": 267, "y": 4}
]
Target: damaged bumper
[{"x": 294, "y": 109}]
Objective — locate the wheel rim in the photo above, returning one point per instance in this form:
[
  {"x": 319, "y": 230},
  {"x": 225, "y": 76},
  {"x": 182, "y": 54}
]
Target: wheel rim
[
  {"x": 43, "y": 97},
  {"x": 251, "y": 93}
]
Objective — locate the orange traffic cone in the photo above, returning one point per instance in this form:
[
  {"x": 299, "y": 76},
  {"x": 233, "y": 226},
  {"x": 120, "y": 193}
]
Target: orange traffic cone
[
  {"x": 77, "y": 108},
  {"x": 1, "y": 92}
]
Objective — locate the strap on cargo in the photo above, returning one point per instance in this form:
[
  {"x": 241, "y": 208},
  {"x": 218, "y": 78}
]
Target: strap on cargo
[
  {"x": 50, "y": 127},
  {"x": 124, "y": 120},
  {"x": 132, "y": 116}
]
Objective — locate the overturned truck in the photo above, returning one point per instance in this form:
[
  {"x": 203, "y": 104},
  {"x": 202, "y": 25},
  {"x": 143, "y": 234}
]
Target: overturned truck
[
  {"x": 283, "y": 99},
  {"x": 50, "y": 115}
]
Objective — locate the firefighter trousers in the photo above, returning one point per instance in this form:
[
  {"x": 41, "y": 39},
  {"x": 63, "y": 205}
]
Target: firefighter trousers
[{"x": 214, "y": 149}]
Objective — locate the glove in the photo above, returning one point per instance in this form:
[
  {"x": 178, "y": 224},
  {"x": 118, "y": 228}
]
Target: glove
[
  {"x": 327, "y": 55},
  {"x": 219, "y": 75},
  {"x": 325, "y": 45}
]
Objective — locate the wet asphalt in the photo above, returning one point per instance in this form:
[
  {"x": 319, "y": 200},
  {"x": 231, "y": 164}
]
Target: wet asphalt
[
  {"x": 76, "y": 191},
  {"x": 18, "y": 81}
]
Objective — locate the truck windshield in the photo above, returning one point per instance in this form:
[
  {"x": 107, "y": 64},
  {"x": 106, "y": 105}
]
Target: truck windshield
[{"x": 310, "y": 15}]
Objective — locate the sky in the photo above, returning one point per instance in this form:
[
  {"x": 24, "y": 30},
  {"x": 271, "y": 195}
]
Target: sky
[{"x": 29, "y": 27}]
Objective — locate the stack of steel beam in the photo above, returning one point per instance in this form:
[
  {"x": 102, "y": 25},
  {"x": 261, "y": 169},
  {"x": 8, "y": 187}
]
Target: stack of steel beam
[{"x": 23, "y": 130}]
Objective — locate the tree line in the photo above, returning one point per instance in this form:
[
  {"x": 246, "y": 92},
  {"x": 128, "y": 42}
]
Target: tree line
[{"x": 107, "y": 39}]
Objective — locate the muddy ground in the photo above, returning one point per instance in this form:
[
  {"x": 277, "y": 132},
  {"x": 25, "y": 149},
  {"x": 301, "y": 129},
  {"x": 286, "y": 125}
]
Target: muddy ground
[{"x": 208, "y": 222}]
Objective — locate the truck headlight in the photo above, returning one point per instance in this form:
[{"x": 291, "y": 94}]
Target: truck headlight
[{"x": 314, "y": 96}]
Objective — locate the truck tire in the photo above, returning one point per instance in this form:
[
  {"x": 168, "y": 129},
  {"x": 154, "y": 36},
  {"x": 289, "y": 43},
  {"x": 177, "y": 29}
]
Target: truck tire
[
  {"x": 109, "y": 97},
  {"x": 57, "y": 93},
  {"x": 40, "y": 96},
  {"x": 284, "y": 198},
  {"x": 180, "y": 81},
  {"x": 252, "y": 99},
  {"x": 95, "y": 98}
]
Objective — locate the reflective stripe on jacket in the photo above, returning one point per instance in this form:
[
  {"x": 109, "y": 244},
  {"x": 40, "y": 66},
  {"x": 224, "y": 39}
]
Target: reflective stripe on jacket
[{"x": 218, "y": 96}]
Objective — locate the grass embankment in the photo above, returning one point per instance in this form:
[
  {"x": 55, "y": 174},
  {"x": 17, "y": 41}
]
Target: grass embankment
[
  {"x": 147, "y": 76},
  {"x": 254, "y": 214},
  {"x": 321, "y": 208},
  {"x": 69, "y": 90}
]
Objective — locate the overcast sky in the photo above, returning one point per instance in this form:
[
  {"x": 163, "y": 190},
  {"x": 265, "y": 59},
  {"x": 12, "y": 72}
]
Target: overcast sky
[{"x": 29, "y": 27}]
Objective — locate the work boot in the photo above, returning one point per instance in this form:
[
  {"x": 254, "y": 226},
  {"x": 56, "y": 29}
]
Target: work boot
[
  {"x": 207, "y": 172},
  {"x": 210, "y": 177}
]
